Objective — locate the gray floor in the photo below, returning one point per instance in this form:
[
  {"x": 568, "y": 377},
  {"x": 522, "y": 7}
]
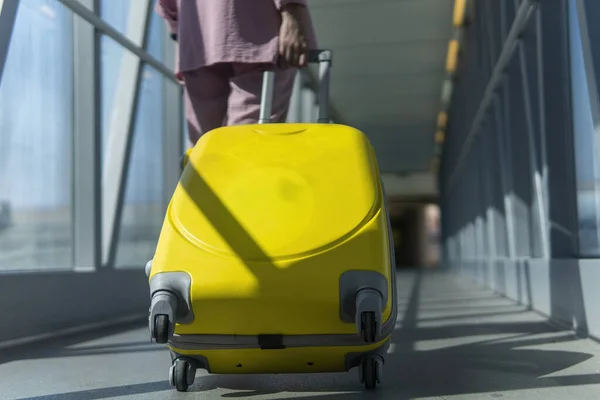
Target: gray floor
[{"x": 453, "y": 341}]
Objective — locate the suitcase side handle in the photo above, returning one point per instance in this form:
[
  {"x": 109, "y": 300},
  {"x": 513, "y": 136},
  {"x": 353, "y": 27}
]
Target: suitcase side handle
[{"x": 324, "y": 58}]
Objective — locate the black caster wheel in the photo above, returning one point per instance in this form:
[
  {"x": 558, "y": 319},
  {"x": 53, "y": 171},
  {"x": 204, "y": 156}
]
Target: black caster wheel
[
  {"x": 162, "y": 326},
  {"x": 370, "y": 372},
  {"x": 368, "y": 326},
  {"x": 182, "y": 374}
]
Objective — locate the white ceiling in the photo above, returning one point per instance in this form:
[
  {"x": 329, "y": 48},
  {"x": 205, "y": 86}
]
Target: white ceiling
[{"x": 388, "y": 67}]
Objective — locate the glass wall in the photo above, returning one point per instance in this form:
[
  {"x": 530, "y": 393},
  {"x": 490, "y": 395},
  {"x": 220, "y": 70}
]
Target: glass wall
[
  {"x": 587, "y": 167},
  {"x": 507, "y": 164},
  {"x": 143, "y": 205},
  {"x": 117, "y": 14},
  {"x": 142, "y": 212},
  {"x": 36, "y": 132}
]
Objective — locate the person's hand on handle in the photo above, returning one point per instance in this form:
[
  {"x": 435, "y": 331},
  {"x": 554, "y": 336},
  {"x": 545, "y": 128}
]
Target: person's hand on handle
[{"x": 293, "y": 43}]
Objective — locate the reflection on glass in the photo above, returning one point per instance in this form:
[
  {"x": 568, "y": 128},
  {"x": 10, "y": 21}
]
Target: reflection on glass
[
  {"x": 36, "y": 140},
  {"x": 116, "y": 13},
  {"x": 585, "y": 158},
  {"x": 156, "y": 38},
  {"x": 111, "y": 54},
  {"x": 143, "y": 210}
]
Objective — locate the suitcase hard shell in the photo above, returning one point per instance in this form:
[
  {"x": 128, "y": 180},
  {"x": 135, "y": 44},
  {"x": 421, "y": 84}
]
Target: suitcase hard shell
[{"x": 275, "y": 255}]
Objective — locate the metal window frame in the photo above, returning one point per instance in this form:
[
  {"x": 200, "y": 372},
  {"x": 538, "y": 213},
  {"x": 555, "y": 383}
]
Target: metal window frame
[
  {"x": 485, "y": 182},
  {"x": 502, "y": 113},
  {"x": 570, "y": 150},
  {"x": 542, "y": 119},
  {"x": 96, "y": 221},
  {"x": 86, "y": 144},
  {"x": 480, "y": 203},
  {"x": 537, "y": 182},
  {"x": 523, "y": 15},
  {"x": 495, "y": 132},
  {"x": 8, "y": 16},
  {"x": 78, "y": 8},
  {"x": 121, "y": 129},
  {"x": 484, "y": 158}
]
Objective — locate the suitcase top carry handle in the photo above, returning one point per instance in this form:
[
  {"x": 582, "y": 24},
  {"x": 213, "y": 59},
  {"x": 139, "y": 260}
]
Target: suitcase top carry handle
[{"x": 324, "y": 59}]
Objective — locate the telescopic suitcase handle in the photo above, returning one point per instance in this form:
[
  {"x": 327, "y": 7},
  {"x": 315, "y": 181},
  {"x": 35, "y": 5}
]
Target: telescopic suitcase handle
[{"x": 324, "y": 59}]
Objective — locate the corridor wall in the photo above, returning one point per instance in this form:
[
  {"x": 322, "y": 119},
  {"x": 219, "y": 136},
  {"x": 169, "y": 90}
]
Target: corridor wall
[{"x": 519, "y": 173}]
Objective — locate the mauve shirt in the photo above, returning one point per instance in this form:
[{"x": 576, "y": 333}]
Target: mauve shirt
[{"x": 217, "y": 31}]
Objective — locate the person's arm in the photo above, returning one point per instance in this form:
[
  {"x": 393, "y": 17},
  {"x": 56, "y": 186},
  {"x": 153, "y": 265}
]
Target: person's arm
[
  {"x": 167, "y": 9},
  {"x": 293, "y": 43}
]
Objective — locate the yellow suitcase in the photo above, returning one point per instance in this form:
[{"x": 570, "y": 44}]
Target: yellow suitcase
[{"x": 275, "y": 255}]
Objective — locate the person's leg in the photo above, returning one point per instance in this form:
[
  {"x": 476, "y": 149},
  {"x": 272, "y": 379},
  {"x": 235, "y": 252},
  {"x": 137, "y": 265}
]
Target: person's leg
[
  {"x": 244, "y": 99},
  {"x": 206, "y": 95}
]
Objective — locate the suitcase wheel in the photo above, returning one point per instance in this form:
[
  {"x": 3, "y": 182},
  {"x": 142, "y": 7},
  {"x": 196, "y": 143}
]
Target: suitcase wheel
[
  {"x": 161, "y": 328},
  {"x": 369, "y": 306},
  {"x": 370, "y": 371},
  {"x": 162, "y": 315},
  {"x": 182, "y": 374}
]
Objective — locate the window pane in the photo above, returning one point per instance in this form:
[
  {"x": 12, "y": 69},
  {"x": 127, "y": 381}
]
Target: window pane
[
  {"x": 116, "y": 13},
  {"x": 111, "y": 54},
  {"x": 111, "y": 59},
  {"x": 156, "y": 38},
  {"x": 519, "y": 155},
  {"x": 558, "y": 131},
  {"x": 36, "y": 131},
  {"x": 585, "y": 161},
  {"x": 143, "y": 209}
]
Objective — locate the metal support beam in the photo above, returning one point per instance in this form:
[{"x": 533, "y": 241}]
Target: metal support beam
[
  {"x": 479, "y": 204},
  {"x": 173, "y": 140},
  {"x": 503, "y": 146},
  {"x": 538, "y": 190},
  {"x": 118, "y": 149},
  {"x": 486, "y": 184},
  {"x": 124, "y": 40},
  {"x": 520, "y": 22},
  {"x": 8, "y": 14},
  {"x": 542, "y": 114},
  {"x": 86, "y": 145}
]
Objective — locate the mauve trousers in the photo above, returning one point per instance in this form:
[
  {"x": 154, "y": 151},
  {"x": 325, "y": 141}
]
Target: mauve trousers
[{"x": 229, "y": 94}]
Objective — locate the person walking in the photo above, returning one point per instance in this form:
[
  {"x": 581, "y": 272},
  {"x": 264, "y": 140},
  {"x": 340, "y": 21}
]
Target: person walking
[{"x": 223, "y": 48}]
